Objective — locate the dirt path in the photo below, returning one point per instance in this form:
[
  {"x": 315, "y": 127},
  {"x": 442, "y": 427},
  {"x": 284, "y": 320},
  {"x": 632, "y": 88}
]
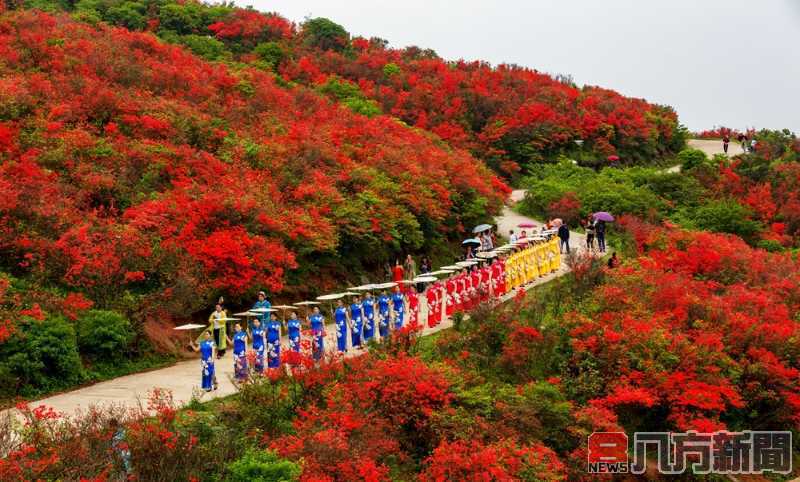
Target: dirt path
[
  {"x": 712, "y": 147},
  {"x": 183, "y": 378}
]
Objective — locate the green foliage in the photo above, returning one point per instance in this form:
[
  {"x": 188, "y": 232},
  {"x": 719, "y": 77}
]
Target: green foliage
[
  {"x": 366, "y": 107},
  {"x": 645, "y": 192},
  {"x": 350, "y": 95},
  {"x": 262, "y": 466},
  {"x": 104, "y": 335},
  {"x": 270, "y": 54},
  {"x": 202, "y": 45},
  {"x": 40, "y": 355},
  {"x": 727, "y": 216},
  {"x": 692, "y": 158},
  {"x": 129, "y": 15},
  {"x": 325, "y": 34},
  {"x": 183, "y": 19},
  {"x": 391, "y": 69}
]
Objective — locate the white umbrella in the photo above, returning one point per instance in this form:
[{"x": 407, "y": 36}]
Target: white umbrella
[
  {"x": 306, "y": 303},
  {"x": 247, "y": 313},
  {"x": 263, "y": 310},
  {"x": 453, "y": 267},
  {"x": 465, "y": 264},
  {"x": 424, "y": 279},
  {"x": 331, "y": 297},
  {"x": 189, "y": 326},
  {"x": 383, "y": 286},
  {"x": 362, "y": 288}
]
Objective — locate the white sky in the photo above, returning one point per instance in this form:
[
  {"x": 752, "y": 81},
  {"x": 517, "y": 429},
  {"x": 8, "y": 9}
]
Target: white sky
[{"x": 718, "y": 62}]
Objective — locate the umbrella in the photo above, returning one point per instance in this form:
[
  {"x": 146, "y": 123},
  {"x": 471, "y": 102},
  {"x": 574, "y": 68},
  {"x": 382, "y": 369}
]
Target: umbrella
[
  {"x": 247, "y": 313},
  {"x": 603, "y": 216},
  {"x": 424, "y": 279},
  {"x": 487, "y": 254},
  {"x": 526, "y": 224},
  {"x": 464, "y": 264},
  {"x": 284, "y": 307},
  {"x": 557, "y": 222},
  {"x": 383, "y": 286},
  {"x": 362, "y": 288},
  {"x": 306, "y": 303},
  {"x": 262, "y": 310},
  {"x": 451, "y": 267},
  {"x": 481, "y": 228},
  {"x": 331, "y": 297},
  {"x": 189, "y": 326},
  {"x": 471, "y": 241},
  {"x": 613, "y": 158},
  {"x": 441, "y": 271}
]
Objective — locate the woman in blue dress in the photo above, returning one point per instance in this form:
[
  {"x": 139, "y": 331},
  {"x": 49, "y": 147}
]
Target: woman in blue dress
[
  {"x": 398, "y": 304},
  {"x": 262, "y": 302},
  {"x": 207, "y": 350},
  {"x": 273, "y": 342},
  {"x": 383, "y": 314},
  {"x": 368, "y": 312},
  {"x": 293, "y": 326},
  {"x": 356, "y": 322},
  {"x": 239, "y": 343},
  {"x": 340, "y": 317},
  {"x": 317, "y": 322},
  {"x": 259, "y": 336}
]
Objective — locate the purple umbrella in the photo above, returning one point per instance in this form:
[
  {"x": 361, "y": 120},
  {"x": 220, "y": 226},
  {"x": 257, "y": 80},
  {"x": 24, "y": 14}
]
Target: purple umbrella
[{"x": 603, "y": 216}]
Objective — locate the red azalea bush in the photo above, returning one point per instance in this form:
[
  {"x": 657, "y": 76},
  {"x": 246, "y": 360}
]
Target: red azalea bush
[
  {"x": 700, "y": 329},
  {"x": 501, "y": 461}
]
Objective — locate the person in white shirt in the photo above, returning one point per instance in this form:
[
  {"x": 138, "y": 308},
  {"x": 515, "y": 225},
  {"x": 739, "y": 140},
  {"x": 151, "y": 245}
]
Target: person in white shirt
[{"x": 512, "y": 238}]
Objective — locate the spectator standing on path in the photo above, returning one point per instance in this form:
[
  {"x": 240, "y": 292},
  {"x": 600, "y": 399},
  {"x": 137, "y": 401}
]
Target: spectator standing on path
[
  {"x": 424, "y": 267},
  {"x": 397, "y": 272},
  {"x": 725, "y": 141},
  {"x": 600, "y": 232},
  {"x": 563, "y": 235},
  {"x": 410, "y": 267},
  {"x": 590, "y": 234},
  {"x": 512, "y": 238},
  {"x": 753, "y": 145},
  {"x": 486, "y": 242}
]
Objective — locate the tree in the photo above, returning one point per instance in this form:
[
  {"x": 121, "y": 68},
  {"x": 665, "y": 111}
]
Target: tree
[{"x": 325, "y": 34}]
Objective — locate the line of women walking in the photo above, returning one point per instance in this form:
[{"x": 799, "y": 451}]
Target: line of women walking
[{"x": 373, "y": 318}]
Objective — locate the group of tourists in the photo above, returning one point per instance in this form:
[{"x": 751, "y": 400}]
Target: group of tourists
[{"x": 373, "y": 314}]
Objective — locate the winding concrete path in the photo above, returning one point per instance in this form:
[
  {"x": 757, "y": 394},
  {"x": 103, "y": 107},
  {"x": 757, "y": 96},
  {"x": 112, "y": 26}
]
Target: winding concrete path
[{"x": 183, "y": 377}]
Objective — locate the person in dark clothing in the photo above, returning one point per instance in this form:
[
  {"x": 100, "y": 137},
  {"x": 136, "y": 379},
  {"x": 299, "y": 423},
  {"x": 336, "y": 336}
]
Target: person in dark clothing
[
  {"x": 613, "y": 261},
  {"x": 563, "y": 234},
  {"x": 600, "y": 233},
  {"x": 725, "y": 141}
]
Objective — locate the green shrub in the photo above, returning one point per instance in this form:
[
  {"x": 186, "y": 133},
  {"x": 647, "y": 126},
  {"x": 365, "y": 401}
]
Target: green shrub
[
  {"x": 692, "y": 158},
  {"x": 391, "y": 69},
  {"x": 270, "y": 54},
  {"x": 104, "y": 335},
  {"x": 325, "y": 34},
  {"x": 727, "y": 216},
  {"x": 39, "y": 356},
  {"x": 202, "y": 45},
  {"x": 262, "y": 466}
]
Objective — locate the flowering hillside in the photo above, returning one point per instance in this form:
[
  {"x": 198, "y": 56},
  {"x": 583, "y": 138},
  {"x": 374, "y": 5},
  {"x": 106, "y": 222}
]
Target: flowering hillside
[
  {"x": 509, "y": 116},
  {"x": 696, "y": 331},
  {"x": 137, "y": 177}
]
